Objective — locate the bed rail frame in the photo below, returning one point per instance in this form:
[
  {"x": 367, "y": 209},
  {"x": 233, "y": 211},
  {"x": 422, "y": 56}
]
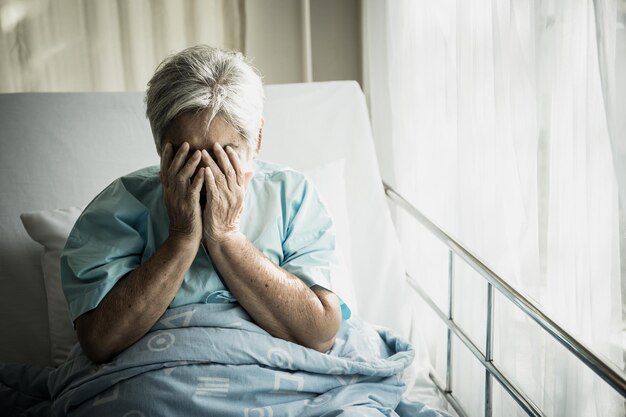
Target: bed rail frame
[{"x": 611, "y": 374}]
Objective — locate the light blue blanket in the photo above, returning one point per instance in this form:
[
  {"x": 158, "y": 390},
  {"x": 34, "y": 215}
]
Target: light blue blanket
[{"x": 211, "y": 359}]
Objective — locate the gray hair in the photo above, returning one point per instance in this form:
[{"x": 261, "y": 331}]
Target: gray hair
[{"x": 205, "y": 78}]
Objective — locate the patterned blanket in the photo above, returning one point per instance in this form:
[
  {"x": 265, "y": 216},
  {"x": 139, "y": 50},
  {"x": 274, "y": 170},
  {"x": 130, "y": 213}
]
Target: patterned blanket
[{"x": 211, "y": 359}]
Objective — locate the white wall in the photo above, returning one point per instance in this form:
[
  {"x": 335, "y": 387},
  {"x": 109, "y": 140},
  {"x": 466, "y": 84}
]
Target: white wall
[
  {"x": 274, "y": 39},
  {"x": 336, "y": 39}
]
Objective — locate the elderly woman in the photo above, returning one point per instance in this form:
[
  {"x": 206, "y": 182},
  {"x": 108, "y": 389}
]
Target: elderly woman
[
  {"x": 204, "y": 283},
  {"x": 212, "y": 224}
]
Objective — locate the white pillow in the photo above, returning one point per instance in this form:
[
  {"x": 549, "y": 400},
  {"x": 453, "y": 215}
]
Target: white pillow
[
  {"x": 329, "y": 181},
  {"x": 51, "y": 228}
]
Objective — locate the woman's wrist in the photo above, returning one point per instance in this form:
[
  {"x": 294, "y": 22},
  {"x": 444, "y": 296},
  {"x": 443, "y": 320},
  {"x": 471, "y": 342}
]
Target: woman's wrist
[
  {"x": 224, "y": 241},
  {"x": 182, "y": 243}
]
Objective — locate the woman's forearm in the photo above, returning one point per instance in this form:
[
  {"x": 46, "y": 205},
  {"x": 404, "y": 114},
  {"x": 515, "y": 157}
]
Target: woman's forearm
[
  {"x": 136, "y": 302},
  {"x": 278, "y": 301}
]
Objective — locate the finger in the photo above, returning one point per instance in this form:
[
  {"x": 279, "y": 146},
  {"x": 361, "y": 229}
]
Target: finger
[
  {"x": 166, "y": 158},
  {"x": 206, "y": 158},
  {"x": 179, "y": 159},
  {"x": 189, "y": 168},
  {"x": 217, "y": 174},
  {"x": 196, "y": 184},
  {"x": 209, "y": 183},
  {"x": 225, "y": 165},
  {"x": 234, "y": 161}
]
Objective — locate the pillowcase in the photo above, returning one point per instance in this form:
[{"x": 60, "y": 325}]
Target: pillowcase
[{"x": 50, "y": 228}]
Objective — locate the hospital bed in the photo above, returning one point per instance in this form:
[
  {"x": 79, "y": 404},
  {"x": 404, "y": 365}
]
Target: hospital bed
[{"x": 59, "y": 150}]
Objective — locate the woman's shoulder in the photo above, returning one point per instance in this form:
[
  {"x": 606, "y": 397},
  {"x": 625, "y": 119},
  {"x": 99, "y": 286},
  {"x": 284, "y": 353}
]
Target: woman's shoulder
[
  {"x": 273, "y": 172},
  {"x": 127, "y": 197},
  {"x": 281, "y": 181},
  {"x": 147, "y": 174},
  {"x": 145, "y": 180},
  {"x": 138, "y": 186}
]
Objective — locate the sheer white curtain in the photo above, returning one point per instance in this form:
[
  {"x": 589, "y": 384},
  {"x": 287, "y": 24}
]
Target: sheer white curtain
[
  {"x": 491, "y": 117},
  {"x": 105, "y": 45}
]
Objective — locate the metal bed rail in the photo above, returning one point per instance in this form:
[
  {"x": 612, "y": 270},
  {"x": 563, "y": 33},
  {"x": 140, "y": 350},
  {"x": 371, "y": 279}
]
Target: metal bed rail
[{"x": 610, "y": 373}]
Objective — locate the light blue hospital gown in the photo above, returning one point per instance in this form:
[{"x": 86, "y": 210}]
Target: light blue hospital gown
[{"x": 127, "y": 222}]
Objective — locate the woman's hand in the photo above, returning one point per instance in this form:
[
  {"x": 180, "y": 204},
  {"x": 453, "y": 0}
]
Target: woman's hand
[
  {"x": 181, "y": 192},
  {"x": 225, "y": 184}
]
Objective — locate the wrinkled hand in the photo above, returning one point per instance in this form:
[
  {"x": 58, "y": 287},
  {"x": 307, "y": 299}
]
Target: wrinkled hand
[
  {"x": 225, "y": 184},
  {"x": 181, "y": 192}
]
